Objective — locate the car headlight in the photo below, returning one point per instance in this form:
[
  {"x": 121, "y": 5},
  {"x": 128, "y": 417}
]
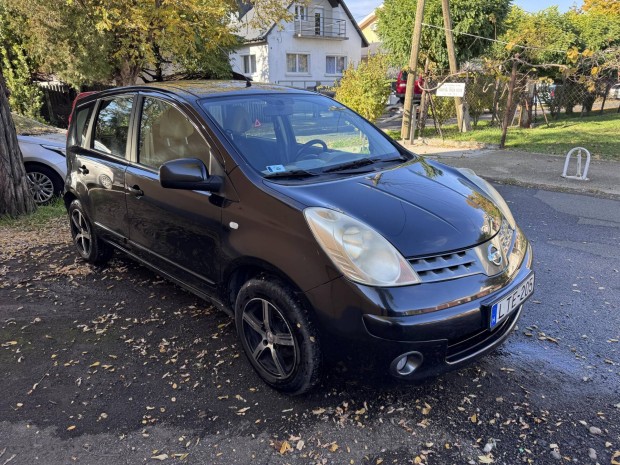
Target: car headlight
[
  {"x": 358, "y": 251},
  {"x": 492, "y": 193}
]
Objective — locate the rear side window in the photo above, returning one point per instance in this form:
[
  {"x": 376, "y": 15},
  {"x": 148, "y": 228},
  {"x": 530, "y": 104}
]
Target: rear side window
[
  {"x": 167, "y": 134},
  {"x": 82, "y": 118},
  {"x": 112, "y": 125}
]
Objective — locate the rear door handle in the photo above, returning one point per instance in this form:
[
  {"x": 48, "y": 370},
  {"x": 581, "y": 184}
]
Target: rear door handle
[
  {"x": 135, "y": 190},
  {"x": 83, "y": 170}
]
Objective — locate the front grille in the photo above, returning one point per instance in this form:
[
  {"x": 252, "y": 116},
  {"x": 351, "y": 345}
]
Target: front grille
[
  {"x": 467, "y": 262},
  {"x": 446, "y": 266}
]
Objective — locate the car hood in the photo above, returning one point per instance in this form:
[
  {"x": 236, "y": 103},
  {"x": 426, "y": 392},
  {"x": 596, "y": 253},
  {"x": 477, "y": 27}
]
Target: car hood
[
  {"x": 53, "y": 139},
  {"x": 421, "y": 207}
]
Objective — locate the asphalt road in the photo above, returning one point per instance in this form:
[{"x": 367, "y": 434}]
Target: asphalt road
[{"x": 116, "y": 366}]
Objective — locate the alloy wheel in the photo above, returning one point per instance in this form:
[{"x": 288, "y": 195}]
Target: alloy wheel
[
  {"x": 41, "y": 187},
  {"x": 269, "y": 338},
  {"x": 81, "y": 233}
]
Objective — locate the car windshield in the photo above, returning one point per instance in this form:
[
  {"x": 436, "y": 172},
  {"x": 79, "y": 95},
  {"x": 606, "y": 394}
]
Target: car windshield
[{"x": 300, "y": 135}]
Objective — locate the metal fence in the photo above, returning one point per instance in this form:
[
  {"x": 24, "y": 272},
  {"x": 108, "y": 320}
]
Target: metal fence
[{"x": 534, "y": 101}]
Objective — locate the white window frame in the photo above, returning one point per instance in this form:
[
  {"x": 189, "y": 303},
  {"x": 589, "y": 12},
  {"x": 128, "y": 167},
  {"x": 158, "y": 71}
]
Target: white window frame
[
  {"x": 249, "y": 62},
  {"x": 297, "y": 54},
  {"x": 301, "y": 12},
  {"x": 335, "y": 57}
]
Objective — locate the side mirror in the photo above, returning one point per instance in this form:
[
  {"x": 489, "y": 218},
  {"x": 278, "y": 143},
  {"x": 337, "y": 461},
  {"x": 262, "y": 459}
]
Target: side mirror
[{"x": 188, "y": 174}]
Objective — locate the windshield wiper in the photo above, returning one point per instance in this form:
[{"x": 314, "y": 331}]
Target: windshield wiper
[
  {"x": 291, "y": 174},
  {"x": 362, "y": 162}
]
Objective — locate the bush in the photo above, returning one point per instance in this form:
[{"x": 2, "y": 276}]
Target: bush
[
  {"x": 26, "y": 97},
  {"x": 366, "y": 88},
  {"x": 444, "y": 109}
]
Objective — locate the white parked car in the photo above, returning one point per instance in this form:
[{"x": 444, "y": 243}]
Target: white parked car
[
  {"x": 46, "y": 166},
  {"x": 614, "y": 92}
]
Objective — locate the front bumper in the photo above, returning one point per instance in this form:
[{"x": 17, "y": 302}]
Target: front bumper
[{"x": 446, "y": 322}]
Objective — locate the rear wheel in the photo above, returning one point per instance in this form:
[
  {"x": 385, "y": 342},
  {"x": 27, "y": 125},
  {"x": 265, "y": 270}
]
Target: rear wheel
[
  {"x": 44, "y": 183},
  {"x": 89, "y": 245},
  {"x": 277, "y": 335}
]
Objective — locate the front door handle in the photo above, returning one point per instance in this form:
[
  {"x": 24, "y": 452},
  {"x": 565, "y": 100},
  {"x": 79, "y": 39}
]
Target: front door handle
[
  {"x": 135, "y": 190},
  {"x": 83, "y": 170}
]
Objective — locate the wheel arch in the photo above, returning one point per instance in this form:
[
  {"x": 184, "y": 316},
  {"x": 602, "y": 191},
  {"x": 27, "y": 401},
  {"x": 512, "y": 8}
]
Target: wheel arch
[
  {"x": 242, "y": 270},
  {"x": 51, "y": 167},
  {"x": 68, "y": 197}
]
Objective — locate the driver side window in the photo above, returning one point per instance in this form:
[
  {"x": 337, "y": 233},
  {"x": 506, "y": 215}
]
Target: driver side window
[{"x": 167, "y": 134}]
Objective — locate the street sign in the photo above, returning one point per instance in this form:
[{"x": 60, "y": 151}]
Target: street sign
[{"x": 451, "y": 89}]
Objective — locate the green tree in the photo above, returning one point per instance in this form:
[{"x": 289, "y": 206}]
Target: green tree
[
  {"x": 479, "y": 17},
  {"x": 547, "y": 33},
  {"x": 99, "y": 40},
  {"x": 25, "y": 97},
  {"x": 366, "y": 88},
  {"x": 596, "y": 30}
]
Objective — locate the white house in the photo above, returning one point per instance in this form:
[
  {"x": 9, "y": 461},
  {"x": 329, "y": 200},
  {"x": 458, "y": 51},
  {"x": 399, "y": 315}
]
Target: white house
[{"x": 313, "y": 49}]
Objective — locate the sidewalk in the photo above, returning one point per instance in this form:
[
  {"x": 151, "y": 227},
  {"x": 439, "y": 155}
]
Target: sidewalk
[{"x": 529, "y": 169}]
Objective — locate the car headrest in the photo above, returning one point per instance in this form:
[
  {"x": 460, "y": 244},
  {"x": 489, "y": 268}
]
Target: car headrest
[
  {"x": 237, "y": 120},
  {"x": 173, "y": 125}
]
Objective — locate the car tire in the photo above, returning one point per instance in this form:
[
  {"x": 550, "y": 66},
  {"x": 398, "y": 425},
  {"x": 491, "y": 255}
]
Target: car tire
[
  {"x": 90, "y": 247},
  {"x": 278, "y": 335},
  {"x": 44, "y": 183}
]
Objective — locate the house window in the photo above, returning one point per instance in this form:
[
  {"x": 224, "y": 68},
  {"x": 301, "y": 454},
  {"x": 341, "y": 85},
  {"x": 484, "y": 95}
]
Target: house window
[
  {"x": 249, "y": 64},
  {"x": 335, "y": 64},
  {"x": 297, "y": 63},
  {"x": 301, "y": 12}
]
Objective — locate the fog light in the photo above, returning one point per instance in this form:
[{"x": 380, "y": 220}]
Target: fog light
[{"x": 406, "y": 364}]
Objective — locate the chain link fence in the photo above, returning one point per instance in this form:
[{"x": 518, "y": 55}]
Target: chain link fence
[{"x": 534, "y": 101}]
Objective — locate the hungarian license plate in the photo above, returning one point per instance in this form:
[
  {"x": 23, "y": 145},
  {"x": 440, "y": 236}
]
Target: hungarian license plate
[{"x": 500, "y": 310}]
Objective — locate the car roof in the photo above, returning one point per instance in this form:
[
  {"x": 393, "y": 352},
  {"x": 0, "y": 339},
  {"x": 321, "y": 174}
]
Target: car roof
[{"x": 200, "y": 89}]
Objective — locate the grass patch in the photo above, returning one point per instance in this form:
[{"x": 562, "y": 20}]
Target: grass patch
[
  {"x": 599, "y": 134},
  {"x": 38, "y": 219}
]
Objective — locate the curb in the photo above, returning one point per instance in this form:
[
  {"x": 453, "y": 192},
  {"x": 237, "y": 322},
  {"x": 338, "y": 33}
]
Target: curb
[{"x": 461, "y": 144}]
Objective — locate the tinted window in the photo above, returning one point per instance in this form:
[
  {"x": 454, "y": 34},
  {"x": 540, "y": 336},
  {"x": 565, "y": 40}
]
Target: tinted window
[
  {"x": 112, "y": 125},
  {"x": 167, "y": 134},
  {"x": 82, "y": 118}
]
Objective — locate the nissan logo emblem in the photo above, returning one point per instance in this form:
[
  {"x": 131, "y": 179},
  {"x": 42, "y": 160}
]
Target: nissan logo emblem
[{"x": 494, "y": 255}]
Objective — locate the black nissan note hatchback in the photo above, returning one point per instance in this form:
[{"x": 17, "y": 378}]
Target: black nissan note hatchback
[{"x": 301, "y": 219}]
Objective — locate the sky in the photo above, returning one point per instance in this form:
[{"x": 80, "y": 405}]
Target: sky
[{"x": 361, "y": 8}]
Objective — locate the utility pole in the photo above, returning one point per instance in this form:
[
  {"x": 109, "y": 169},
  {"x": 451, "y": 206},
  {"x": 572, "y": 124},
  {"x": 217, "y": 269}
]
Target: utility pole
[
  {"x": 461, "y": 117},
  {"x": 508, "y": 111},
  {"x": 406, "y": 128}
]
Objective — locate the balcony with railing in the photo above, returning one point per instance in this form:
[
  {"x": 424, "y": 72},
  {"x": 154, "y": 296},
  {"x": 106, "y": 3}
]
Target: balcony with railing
[{"x": 321, "y": 27}]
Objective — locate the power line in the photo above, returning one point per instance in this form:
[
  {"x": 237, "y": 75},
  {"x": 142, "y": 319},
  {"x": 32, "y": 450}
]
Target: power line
[{"x": 525, "y": 47}]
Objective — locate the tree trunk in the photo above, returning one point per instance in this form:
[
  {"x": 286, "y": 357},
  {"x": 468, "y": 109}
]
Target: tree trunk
[
  {"x": 127, "y": 73},
  {"x": 15, "y": 196}
]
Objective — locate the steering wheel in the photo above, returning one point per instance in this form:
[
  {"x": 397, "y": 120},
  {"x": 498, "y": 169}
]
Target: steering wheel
[{"x": 300, "y": 153}]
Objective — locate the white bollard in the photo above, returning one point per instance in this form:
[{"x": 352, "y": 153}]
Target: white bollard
[{"x": 580, "y": 176}]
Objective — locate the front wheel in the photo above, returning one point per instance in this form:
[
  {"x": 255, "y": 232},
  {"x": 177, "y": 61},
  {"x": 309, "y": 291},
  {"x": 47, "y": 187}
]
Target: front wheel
[
  {"x": 278, "y": 335},
  {"x": 44, "y": 183},
  {"x": 90, "y": 247}
]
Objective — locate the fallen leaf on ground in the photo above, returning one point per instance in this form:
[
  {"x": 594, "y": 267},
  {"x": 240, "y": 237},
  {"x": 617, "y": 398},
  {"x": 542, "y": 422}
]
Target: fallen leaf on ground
[{"x": 285, "y": 447}]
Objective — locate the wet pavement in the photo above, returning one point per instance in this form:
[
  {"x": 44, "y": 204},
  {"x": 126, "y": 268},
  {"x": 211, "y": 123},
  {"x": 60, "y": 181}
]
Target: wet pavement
[{"x": 116, "y": 365}]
